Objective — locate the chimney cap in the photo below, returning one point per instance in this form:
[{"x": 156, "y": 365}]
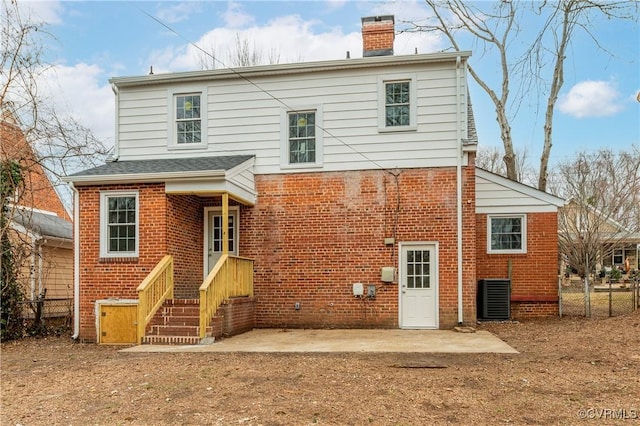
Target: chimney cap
[{"x": 378, "y": 18}]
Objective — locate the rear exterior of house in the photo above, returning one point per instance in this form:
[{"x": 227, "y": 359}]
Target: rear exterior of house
[{"x": 348, "y": 185}]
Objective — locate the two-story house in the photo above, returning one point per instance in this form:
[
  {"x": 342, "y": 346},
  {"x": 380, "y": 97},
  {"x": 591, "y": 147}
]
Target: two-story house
[{"x": 334, "y": 194}]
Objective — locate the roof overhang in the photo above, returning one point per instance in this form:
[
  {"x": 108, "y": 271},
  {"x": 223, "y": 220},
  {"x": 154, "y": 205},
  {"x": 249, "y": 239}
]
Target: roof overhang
[
  {"x": 287, "y": 69},
  {"x": 237, "y": 181}
]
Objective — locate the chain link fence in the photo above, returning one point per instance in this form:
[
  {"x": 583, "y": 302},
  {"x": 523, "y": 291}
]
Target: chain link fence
[
  {"x": 603, "y": 300},
  {"x": 44, "y": 314}
]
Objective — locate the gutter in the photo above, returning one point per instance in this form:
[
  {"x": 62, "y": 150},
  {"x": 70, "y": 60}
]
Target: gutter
[
  {"x": 116, "y": 144},
  {"x": 76, "y": 262},
  {"x": 459, "y": 187},
  {"x": 144, "y": 177}
]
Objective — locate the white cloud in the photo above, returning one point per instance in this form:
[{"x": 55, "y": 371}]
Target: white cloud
[
  {"x": 236, "y": 17},
  {"x": 591, "y": 99},
  {"x": 289, "y": 38},
  {"x": 81, "y": 91},
  {"x": 40, "y": 12},
  {"x": 177, "y": 12}
]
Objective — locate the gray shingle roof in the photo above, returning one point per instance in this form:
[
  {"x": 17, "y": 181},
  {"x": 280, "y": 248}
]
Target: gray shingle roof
[
  {"x": 47, "y": 225},
  {"x": 166, "y": 165}
]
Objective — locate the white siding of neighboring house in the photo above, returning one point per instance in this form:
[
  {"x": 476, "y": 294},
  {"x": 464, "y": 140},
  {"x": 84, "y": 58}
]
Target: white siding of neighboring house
[
  {"x": 498, "y": 195},
  {"x": 244, "y": 120}
]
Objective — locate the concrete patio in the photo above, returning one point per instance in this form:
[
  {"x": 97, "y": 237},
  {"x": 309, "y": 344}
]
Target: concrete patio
[{"x": 307, "y": 340}]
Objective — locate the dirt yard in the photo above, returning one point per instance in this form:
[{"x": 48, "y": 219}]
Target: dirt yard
[{"x": 569, "y": 371}]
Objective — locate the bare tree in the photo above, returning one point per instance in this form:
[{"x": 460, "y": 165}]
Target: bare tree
[
  {"x": 490, "y": 159},
  {"x": 242, "y": 54},
  {"x": 495, "y": 30},
  {"x": 37, "y": 141},
  {"x": 603, "y": 190}
]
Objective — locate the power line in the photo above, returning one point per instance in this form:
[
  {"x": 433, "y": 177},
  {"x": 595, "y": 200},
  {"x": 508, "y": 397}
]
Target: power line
[{"x": 248, "y": 80}]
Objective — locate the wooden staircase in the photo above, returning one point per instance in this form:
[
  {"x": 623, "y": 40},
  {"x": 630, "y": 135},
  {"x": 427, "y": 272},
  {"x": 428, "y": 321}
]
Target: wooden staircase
[{"x": 175, "y": 323}]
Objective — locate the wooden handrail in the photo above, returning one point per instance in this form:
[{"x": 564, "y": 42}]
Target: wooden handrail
[
  {"x": 232, "y": 276},
  {"x": 153, "y": 291}
]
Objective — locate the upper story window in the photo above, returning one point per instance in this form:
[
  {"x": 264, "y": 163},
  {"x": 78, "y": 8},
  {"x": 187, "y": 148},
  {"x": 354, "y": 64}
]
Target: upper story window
[
  {"x": 301, "y": 144},
  {"x": 397, "y": 109},
  {"x": 302, "y": 137},
  {"x": 119, "y": 224},
  {"x": 397, "y": 104},
  {"x": 507, "y": 234},
  {"x": 187, "y": 118}
]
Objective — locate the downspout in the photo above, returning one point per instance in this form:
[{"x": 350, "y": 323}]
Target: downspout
[
  {"x": 459, "y": 185},
  {"x": 76, "y": 262},
  {"x": 116, "y": 144}
]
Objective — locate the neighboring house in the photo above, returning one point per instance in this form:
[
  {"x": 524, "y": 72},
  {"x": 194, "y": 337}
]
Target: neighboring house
[
  {"x": 616, "y": 246},
  {"x": 350, "y": 184},
  {"x": 40, "y": 227}
]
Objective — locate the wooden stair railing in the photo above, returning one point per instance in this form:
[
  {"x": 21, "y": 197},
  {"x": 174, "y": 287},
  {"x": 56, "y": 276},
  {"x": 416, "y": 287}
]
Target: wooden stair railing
[
  {"x": 232, "y": 276},
  {"x": 153, "y": 291}
]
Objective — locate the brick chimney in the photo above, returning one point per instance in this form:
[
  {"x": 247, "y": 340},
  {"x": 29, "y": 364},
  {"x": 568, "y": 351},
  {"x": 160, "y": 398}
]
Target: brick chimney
[{"x": 378, "y": 34}]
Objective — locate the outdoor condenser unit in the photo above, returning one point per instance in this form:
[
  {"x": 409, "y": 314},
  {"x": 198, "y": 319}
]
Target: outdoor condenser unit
[{"x": 494, "y": 299}]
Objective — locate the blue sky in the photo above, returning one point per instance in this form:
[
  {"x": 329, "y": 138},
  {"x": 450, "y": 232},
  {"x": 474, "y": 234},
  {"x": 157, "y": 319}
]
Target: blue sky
[{"x": 98, "y": 40}]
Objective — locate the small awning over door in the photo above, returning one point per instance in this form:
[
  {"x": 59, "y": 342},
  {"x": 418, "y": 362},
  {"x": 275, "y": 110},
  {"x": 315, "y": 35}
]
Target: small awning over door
[{"x": 204, "y": 176}]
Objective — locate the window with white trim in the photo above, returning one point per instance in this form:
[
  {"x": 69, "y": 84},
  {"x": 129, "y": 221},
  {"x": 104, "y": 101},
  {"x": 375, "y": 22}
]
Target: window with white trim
[
  {"x": 119, "y": 221},
  {"x": 507, "y": 234},
  {"x": 301, "y": 144},
  {"x": 188, "y": 120},
  {"x": 187, "y": 117},
  {"x": 397, "y": 109}
]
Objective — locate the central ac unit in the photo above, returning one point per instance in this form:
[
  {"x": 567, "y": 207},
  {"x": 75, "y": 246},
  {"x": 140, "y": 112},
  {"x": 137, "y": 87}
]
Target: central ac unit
[{"x": 494, "y": 299}]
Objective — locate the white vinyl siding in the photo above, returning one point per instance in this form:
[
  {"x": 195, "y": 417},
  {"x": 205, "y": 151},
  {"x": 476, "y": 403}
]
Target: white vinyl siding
[
  {"x": 244, "y": 120},
  {"x": 498, "y": 195}
]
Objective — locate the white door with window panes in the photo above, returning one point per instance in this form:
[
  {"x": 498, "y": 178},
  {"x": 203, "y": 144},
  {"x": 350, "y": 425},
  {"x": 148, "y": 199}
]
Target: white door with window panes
[
  {"x": 418, "y": 281},
  {"x": 213, "y": 242}
]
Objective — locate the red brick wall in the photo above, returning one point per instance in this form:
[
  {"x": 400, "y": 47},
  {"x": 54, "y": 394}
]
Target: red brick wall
[
  {"x": 313, "y": 235},
  {"x": 37, "y": 191},
  {"x": 534, "y": 275},
  {"x": 118, "y": 278},
  {"x": 185, "y": 241}
]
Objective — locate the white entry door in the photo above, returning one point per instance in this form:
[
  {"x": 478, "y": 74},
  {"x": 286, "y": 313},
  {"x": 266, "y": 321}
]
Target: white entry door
[
  {"x": 418, "y": 286},
  {"x": 213, "y": 232}
]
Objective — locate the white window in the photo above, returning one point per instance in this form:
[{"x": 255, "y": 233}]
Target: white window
[
  {"x": 187, "y": 119},
  {"x": 301, "y": 138},
  {"x": 397, "y": 104},
  {"x": 507, "y": 234},
  {"x": 119, "y": 222}
]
